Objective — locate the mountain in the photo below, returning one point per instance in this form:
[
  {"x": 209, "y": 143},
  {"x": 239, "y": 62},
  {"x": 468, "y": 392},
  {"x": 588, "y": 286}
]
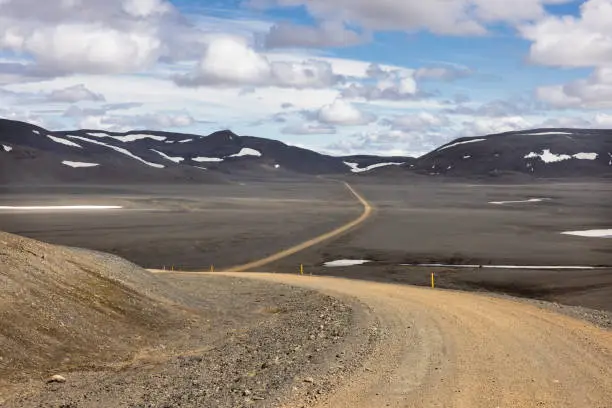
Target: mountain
[
  {"x": 547, "y": 153},
  {"x": 31, "y": 154}
]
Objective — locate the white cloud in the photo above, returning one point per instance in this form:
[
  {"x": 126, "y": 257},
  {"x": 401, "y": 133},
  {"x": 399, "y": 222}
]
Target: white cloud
[
  {"x": 419, "y": 121},
  {"x": 90, "y": 36},
  {"x": 343, "y": 113},
  {"x": 329, "y": 34},
  {"x": 229, "y": 61},
  {"x": 452, "y": 17},
  {"x": 75, "y": 93},
  {"x": 592, "y": 92},
  {"x": 479, "y": 126},
  {"x": 390, "y": 84},
  {"x": 308, "y": 129},
  {"x": 568, "y": 41}
]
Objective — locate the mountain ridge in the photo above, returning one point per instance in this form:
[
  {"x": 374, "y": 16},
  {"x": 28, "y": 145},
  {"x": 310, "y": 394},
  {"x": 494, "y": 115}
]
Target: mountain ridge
[{"x": 32, "y": 154}]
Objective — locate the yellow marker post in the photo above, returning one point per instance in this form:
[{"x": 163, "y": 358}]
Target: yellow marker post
[
  {"x": 433, "y": 282},
  {"x": 301, "y": 269},
  {"x": 212, "y": 268}
]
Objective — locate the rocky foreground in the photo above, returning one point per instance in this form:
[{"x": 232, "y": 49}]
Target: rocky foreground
[{"x": 85, "y": 329}]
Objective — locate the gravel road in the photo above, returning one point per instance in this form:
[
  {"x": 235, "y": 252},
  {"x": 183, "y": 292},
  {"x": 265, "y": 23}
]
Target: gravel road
[{"x": 453, "y": 349}]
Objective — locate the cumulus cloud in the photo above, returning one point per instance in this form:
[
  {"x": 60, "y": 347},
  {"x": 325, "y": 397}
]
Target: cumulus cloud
[
  {"x": 497, "y": 108},
  {"x": 568, "y": 41},
  {"x": 308, "y": 129},
  {"x": 385, "y": 84},
  {"x": 344, "y": 113},
  {"x": 88, "y": 36},
  {"x": 592, "y": 92},
  {"x": 451, "y": 17},
  {"x": 229, "y": 61},
  {"x": 121, "y": 123},
  {"x": 75, "y": 93},
  {"x": 387, "y": 143},
  {"x": 479, "y": 126},
  {"x": 328, "y": 34},
  {"x": 418, "y": 121}
]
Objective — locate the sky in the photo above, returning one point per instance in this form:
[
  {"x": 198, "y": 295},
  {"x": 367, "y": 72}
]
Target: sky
[{"x": 387, "y": 77}]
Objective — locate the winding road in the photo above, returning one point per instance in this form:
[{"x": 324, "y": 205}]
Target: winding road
[{"x": 441, "y": 348}]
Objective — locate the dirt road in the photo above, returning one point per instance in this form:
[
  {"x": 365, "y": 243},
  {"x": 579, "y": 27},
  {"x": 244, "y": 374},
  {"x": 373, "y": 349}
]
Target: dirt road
[
  {"x": 450, "y": 349},
  {"x": 367, "y": 212}
]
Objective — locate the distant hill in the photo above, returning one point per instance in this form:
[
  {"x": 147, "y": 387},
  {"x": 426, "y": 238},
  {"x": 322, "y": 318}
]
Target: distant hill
[
  {"x": 547, "y": 153},
  {"x": 31, "y": 154}
]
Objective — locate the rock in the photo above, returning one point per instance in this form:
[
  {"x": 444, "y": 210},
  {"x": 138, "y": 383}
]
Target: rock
[
  {"x": 309, "y": 380},
  {"x": 246, "y": 392},
  {"x": 56, "y": 379}
]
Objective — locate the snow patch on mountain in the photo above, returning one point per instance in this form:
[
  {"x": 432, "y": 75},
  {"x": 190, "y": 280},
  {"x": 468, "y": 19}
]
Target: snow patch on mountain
[
  {"x": 165, "y": 156},
  {"x": 547, "y": 133},
  {"x": 206, "y": 159},
  {"x": 245, "y": 151},
  {"x": 548, "y": 157},
  {"x": 460, "y": 143},
  {"x": 120, "y": 150},
  {"x": 79, "y": 164},
  {"x": 7, "y": 148},
  {"x": 186, "y": 141},
  {"x": 131, "y": 137},
  {"x": 64, "y": 141},
  {"x": 356, "y": 169},
  {"x": 36, "y": 132}
]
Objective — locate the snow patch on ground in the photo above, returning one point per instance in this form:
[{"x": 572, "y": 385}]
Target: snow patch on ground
[
  {"x": 120, "y": 150},
  {"x": 64, "y": 141},
  {"x": 6, "y": 148},
  {"x": 277, "y": 166},
  {"x": 61, "y": 207},
  {"x": 460, "y": 143},
  {"x": 531, "y": 200},
  {"x": 345, "y": 262},
  {"x": 206, "y": 159},
  {"x": 547, "y": 157},
  {"x": 79, "y": 164},
  {"x": 247, "y": 152},
  {"x": 467, "y": 156},
  {"x": 356, "y": 169},
  {"x": 600, "y": 233},
  {"x": 540, "y": 267},
  {"x": 171, "y": 158}
]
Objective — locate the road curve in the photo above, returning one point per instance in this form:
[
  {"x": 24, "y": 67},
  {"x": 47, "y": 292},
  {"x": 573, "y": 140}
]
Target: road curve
[
  {"x": 442, "y": 348},
  {"x": 367, "y": 212}
]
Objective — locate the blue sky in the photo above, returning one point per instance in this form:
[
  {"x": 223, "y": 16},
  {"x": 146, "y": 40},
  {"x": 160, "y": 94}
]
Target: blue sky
[{"x": 338, "y": 76}]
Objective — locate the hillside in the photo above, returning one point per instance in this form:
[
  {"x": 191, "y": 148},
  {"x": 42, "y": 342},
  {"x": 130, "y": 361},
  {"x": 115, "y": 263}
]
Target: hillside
[
  {"x": 59, "y": 302},
  {"x": 30, "y": 154},
  {"x": 539, "y": 153}
]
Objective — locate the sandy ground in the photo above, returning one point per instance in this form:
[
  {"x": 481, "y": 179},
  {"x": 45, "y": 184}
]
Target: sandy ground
[{"x": 444, "y": 348}]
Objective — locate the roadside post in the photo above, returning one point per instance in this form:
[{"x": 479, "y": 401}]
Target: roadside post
[
  {"x": 301, "y": 269},
  {"x": 433, "y": 281},
  {"x": 212, "y": 268}
]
